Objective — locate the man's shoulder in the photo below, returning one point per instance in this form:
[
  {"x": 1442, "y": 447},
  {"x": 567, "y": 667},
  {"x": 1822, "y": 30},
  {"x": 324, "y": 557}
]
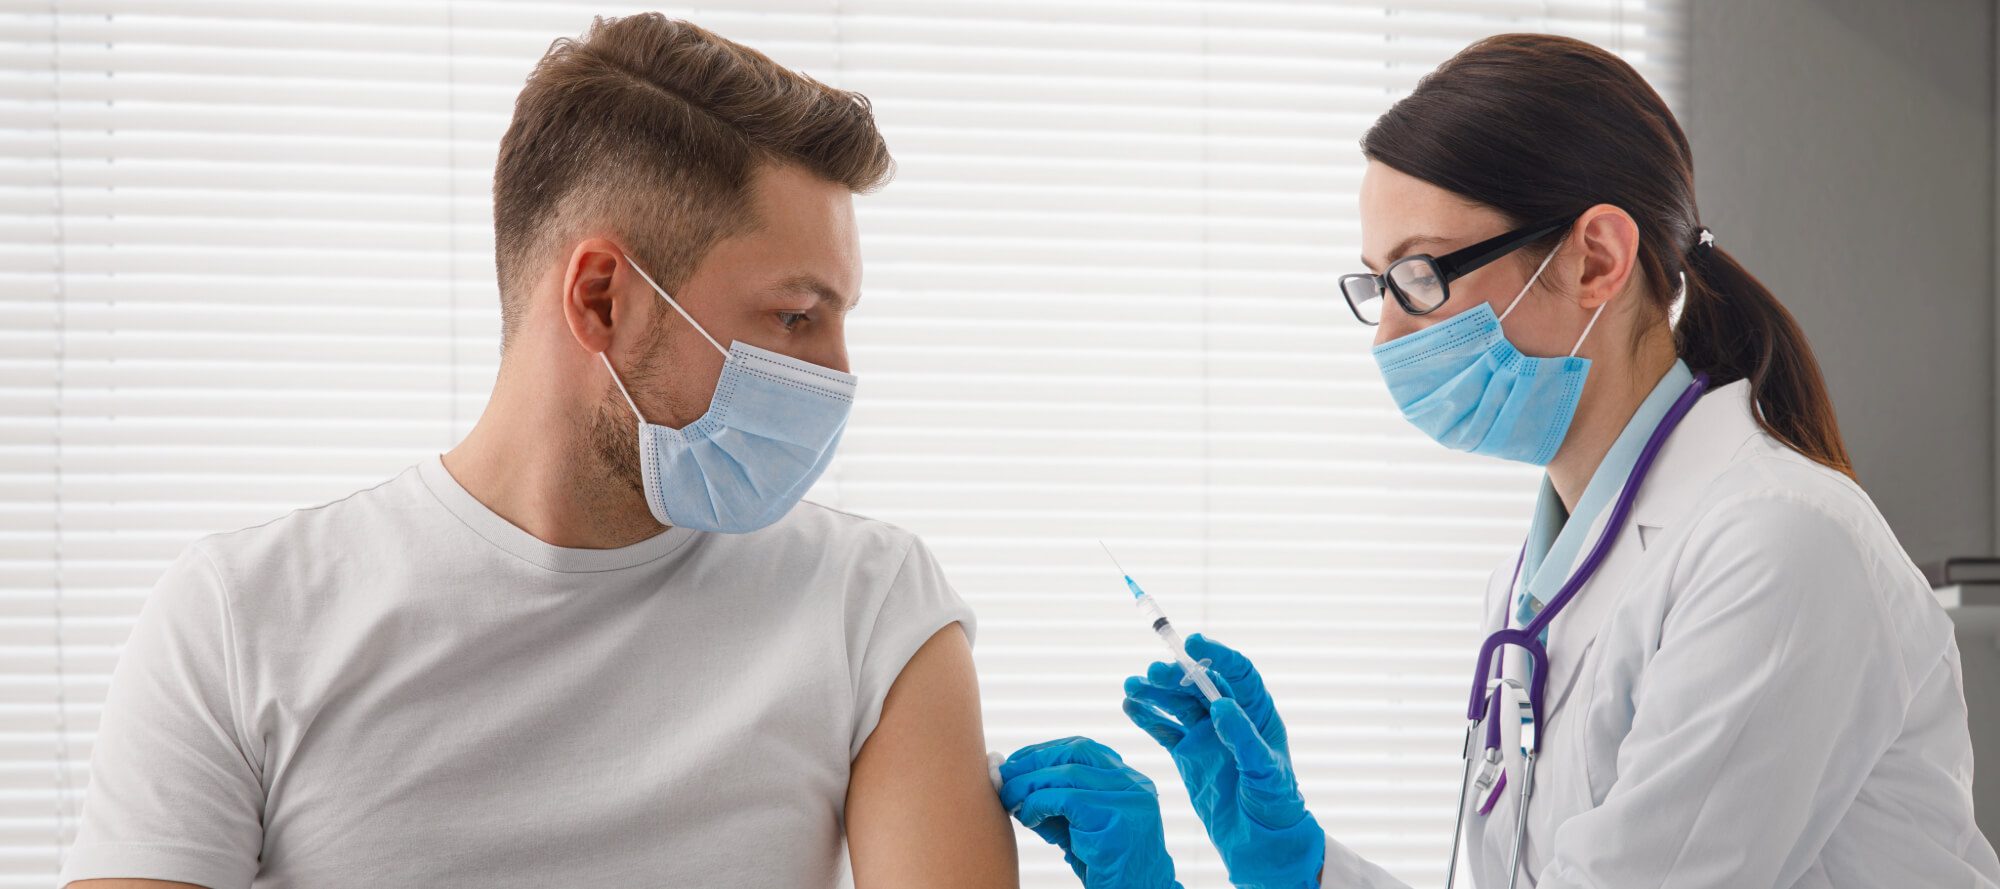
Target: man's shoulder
[
  {"x": 329, "y": 527},
  {"x": 837, "y": 529}
]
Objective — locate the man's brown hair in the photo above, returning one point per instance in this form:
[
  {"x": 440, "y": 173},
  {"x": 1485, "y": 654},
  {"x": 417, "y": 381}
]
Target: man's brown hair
[{"x": 651, "y": 128}]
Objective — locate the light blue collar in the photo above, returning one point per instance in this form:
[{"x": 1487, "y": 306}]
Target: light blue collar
[{"x": 1555, "y": 536}]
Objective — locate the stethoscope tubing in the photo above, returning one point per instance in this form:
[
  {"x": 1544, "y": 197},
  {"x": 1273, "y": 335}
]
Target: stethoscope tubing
[{"x": 1487, "y": 693}]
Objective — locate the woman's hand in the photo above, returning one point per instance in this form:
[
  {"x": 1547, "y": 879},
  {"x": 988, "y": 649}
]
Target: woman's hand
[
  {"x": 1077, "y": 794},
  {"x": 1237, "y": 765}
]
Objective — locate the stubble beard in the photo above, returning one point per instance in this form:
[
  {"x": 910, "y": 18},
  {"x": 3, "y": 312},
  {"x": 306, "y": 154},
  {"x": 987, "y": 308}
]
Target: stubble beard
[{"x": 613, "y": 434}]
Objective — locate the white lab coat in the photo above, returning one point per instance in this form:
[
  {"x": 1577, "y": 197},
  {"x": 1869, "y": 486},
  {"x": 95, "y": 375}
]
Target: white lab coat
[{"x": 1755, "y": 690}]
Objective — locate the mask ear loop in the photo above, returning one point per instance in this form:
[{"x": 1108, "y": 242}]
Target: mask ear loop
[
  {"x": 683, "y": 313},
  {"x": 1587, "y": 327},
  {"x": 1533, "y": 278},
  {"x": 677, "y": 307},
  {"x": 621, "y": 387},
  {"x": 1531, "y": 285}
]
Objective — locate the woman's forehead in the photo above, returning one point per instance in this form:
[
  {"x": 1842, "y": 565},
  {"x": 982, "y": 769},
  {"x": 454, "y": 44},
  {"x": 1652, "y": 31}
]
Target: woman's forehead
[{"x": 1398, "y": 210}]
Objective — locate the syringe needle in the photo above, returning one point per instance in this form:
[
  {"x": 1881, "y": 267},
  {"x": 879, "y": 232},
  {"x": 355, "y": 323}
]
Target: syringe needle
[
  {"x": 1114, "y": 559},
  {"x": 1196, "y": 671}
]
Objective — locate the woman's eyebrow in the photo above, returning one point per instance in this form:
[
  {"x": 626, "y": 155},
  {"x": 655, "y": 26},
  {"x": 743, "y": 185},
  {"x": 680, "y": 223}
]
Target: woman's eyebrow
[{"x": 1404, "y": 248}]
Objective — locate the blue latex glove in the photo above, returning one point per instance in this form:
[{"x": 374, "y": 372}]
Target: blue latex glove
[
  {"x": 1237, "y": 765},
  {"x": 1077, "y": 794}
]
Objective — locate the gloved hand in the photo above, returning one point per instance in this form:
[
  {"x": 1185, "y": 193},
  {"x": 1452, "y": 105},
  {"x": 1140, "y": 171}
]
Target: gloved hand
[
  {"x": 1077, "y": 794},
  {"x": 1237, "y": 765}
]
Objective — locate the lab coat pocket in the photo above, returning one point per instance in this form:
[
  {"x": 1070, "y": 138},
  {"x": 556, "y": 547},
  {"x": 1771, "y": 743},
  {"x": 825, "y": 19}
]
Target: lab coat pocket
[
  {"x": 1569, "y": 768},
  {"x": 1603, "y": 717}
]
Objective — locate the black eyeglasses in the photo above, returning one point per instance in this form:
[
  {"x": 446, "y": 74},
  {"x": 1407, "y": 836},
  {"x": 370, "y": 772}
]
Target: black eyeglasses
[{"x": 1421, "y": 283}]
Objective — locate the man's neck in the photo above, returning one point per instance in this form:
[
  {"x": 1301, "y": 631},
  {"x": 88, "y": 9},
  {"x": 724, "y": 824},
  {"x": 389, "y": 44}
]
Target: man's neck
[
  {"x": 1599, "y": 421},
  {"x": 530, "y": 460}
]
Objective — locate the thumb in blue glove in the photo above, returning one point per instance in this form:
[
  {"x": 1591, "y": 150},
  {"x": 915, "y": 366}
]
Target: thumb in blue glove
[
  {"x": 1080, "y": 796},
  {"x": 1233, "y": 757},
  {"x": 1266, "y": 788}
]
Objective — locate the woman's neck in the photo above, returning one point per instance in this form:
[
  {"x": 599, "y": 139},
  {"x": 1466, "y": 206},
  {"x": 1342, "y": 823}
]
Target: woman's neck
[{"x": 1608, "y": 403}]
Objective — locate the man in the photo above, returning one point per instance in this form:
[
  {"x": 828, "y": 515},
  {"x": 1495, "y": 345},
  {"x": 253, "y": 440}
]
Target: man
[{"x": 563, "y": 653}]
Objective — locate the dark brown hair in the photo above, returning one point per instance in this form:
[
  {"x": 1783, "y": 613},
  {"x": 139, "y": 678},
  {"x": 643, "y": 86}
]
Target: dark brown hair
[
  {"x": 1542, "y": 127},
  {"x": 652, "y": 128}
]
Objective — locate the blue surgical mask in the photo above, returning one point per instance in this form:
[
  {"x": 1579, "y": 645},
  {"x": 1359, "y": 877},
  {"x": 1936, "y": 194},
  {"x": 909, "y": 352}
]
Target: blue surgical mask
[
  {"x": 770, "y": 430},
  {"x": 1462, "y": 383}
]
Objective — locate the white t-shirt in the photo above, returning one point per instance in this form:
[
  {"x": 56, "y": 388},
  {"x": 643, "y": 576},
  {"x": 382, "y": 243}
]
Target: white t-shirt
[{"x": 401, "y": 688}]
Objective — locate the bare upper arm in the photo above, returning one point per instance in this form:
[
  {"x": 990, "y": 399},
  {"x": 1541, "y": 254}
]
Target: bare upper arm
[
  {"x": 920, "y": 808},
  {"x": 125, "y": 883}
]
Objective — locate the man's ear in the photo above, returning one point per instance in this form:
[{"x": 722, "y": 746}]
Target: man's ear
[
  {"x": 592, "y": 281},
  {"x": 1607, "y": 247}
]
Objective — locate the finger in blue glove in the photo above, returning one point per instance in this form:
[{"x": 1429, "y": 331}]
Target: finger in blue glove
[
  {"x": 1071, "y": 776},
  {"x": 1267, "y": 788},
  {"x": 1242, "y": 675},
  {"x": 1104, "y": 815},
  {"x": 1060, "y": 751},
  {"x": 1234, "y": 758},
  {"x": 1184, "y": 708}
]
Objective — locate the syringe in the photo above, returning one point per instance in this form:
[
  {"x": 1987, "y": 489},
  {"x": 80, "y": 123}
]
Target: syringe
[{"x": 1196, "y": 671}]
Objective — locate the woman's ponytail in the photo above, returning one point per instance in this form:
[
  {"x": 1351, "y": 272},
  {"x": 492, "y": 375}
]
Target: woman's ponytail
[{"x": 1733, "y": 328}]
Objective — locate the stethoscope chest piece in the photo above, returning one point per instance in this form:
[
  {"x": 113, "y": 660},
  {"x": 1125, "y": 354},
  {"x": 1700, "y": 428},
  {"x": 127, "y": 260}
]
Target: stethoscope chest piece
[
  {"x": 1504, "y": 736},
  {"x": 1499, "y": 753}
]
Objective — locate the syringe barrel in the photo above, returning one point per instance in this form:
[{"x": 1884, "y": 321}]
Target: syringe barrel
[
  {"x": 1196, "y": 674},
  {"x": 1152, "y": 611},
  {"x": 1195, "y": 671}
]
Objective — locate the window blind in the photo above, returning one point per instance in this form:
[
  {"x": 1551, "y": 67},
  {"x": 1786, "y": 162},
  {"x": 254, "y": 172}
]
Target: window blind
[{"x": 246, "y": 265}]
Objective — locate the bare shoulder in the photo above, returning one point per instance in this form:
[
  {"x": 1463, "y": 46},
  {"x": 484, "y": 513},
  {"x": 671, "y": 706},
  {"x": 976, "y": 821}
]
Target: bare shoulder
[{"x": 920, "y": 808}]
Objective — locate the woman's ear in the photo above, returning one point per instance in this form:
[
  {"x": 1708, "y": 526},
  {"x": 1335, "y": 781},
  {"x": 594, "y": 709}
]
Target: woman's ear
[
  {"x": 1607, "y": 251},
  {"x": 589, "y": 300}
]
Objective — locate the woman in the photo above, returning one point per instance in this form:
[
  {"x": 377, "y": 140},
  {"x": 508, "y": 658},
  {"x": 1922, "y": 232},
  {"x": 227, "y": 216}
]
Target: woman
[{"x": 1746, "y": 682}]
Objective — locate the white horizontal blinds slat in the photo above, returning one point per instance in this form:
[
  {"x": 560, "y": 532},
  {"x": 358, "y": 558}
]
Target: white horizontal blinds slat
[
  {"x": 1099, "y": 305},
  {"x": 36, "y": 711}
]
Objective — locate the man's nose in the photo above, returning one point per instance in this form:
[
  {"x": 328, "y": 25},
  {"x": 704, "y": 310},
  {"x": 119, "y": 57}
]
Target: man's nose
[{"x": 828, "y": 351}]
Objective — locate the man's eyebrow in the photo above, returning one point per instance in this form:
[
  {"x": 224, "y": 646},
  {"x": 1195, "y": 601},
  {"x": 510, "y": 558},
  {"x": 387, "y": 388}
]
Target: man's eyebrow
[
  {"x": 1404, "y": 248},
  {"x": 825, "y": 292}
]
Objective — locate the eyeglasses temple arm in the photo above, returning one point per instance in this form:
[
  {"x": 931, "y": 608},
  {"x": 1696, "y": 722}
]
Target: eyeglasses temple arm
[{"x": 1459, "y": 263}]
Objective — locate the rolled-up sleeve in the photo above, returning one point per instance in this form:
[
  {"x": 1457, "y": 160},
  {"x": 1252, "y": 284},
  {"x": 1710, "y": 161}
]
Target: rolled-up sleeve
[
  {"x": 887, "y": 629},
  {"x": 174, "y": 791}
]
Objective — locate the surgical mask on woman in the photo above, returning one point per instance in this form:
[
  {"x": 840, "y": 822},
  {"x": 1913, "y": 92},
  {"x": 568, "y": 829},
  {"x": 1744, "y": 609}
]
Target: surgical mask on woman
[{"x": 1463, "y": 384}]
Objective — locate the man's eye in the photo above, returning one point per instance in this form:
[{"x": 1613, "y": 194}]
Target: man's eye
[{"x": 791, "y": 319}]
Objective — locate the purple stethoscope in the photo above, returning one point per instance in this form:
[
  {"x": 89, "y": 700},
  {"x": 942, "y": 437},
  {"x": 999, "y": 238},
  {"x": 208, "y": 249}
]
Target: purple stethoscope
[{"x": 1487, "y": 692}]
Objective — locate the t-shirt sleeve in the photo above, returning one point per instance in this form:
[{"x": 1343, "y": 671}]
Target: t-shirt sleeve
[
  {"x": 916, "y": 604},
  {"x": 174, "y": 792}
]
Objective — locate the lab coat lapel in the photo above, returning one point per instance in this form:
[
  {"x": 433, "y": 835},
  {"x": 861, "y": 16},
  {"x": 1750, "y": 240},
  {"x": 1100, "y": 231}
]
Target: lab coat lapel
[
  {"x": 1697, "y": 451},
  {"x": 1573, "y": 631}
]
